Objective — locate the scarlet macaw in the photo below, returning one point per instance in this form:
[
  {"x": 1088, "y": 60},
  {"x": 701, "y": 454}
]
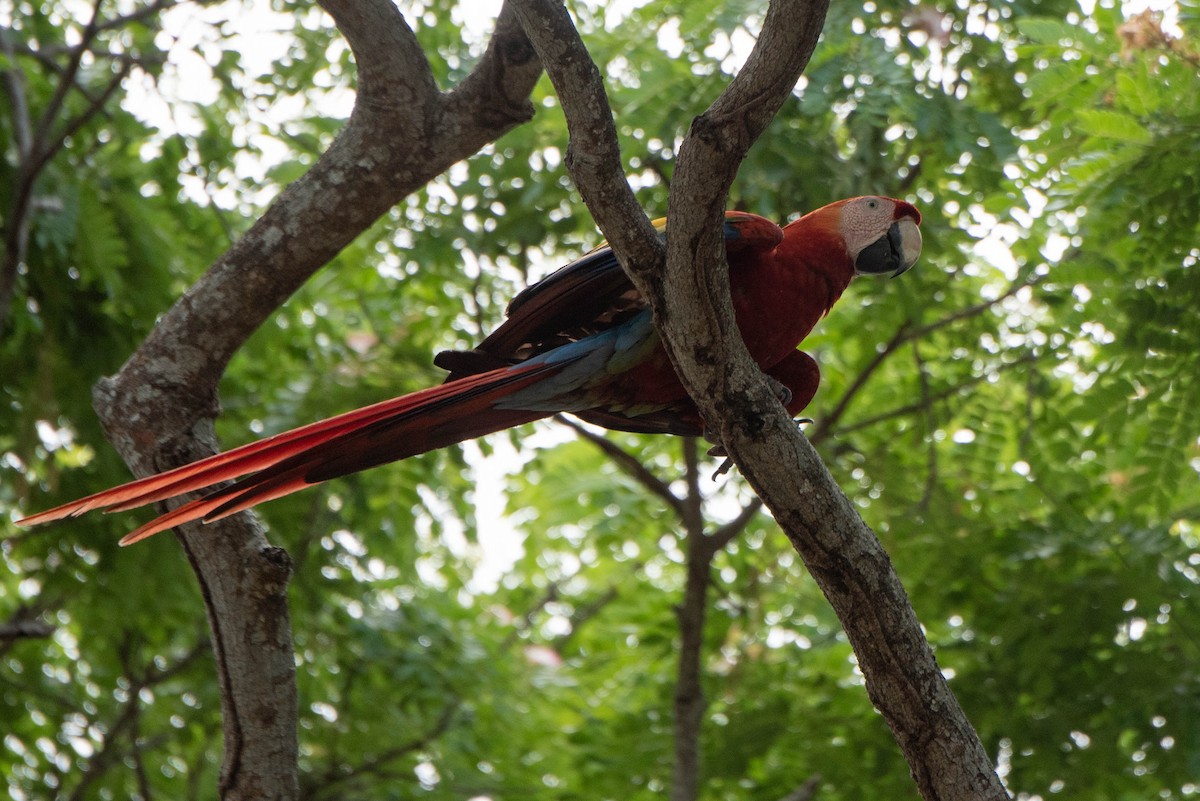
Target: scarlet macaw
[{"x": 580, "y": 341}]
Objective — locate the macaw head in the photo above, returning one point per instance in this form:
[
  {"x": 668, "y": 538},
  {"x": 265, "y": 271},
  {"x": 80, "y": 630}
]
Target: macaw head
[{"x": 881, "y": 234}]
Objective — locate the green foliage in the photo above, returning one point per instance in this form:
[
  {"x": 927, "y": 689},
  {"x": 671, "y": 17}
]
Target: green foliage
[{"x": 1018, "y": 418}]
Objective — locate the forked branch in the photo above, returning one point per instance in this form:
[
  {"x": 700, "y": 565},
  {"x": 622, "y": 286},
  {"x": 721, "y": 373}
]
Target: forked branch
[{"x": 690, "y": 298}]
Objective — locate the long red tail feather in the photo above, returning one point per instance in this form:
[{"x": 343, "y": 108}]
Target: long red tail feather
[{"x": 284, "y": 463}]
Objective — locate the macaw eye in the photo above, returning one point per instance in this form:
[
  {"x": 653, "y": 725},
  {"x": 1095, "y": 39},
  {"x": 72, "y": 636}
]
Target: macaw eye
[{"x": 872, "y": 204}]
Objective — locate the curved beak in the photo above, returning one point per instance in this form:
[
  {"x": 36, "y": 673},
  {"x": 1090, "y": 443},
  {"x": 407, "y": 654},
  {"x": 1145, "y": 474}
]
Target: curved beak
[{"x": 895, "y": 252}]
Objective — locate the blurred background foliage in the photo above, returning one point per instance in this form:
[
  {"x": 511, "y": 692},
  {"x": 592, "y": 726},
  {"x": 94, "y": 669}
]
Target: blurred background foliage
[{"x": 1018, "y": 418}]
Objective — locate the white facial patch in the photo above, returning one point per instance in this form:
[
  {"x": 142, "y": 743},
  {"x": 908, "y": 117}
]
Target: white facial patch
[{"x": 864, "y": 220}]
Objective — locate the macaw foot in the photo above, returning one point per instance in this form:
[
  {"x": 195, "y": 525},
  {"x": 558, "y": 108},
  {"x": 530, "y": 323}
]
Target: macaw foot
[
  {"x": 724, "y": 467},
  {"x": 727, "y": 464},
  {"x": 779, "y": 389},
  {"x": 782, "y": 393}
]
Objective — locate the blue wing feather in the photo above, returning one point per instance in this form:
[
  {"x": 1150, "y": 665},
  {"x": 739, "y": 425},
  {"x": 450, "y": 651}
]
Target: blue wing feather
[{"x": 586, "y": 297}]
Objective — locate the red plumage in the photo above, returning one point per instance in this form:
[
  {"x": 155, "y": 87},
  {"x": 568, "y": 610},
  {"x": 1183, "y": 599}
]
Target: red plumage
[{"x": 581, "y": 341}]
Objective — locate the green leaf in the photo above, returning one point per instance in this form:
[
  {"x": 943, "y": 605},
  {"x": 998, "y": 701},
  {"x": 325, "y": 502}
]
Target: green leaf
[
  {"x": 1112, "y": 125},
  {"x": 1045, "y": 30}
]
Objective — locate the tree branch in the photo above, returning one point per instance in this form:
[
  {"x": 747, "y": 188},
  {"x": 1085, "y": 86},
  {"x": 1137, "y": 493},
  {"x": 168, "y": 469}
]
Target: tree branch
[
  {"x": 95, "y": 104},
  {"x": 28, "y": 140},
  {"x": 125, "y": 724},
  {"x": 37, "y": 144},
  {"x": 339, "y": 774},
  {"x": 67, "y": 79},
  {"x": 158, "y": 409},
  {"x": 143, "y": 13},
  {"x": 33, "y": 154},
  {"x": 585, "y": 612},
  {"x": 827, "y": 422},
  {"x": 1031, "y": 278},
  {"x": 935, "y": 397},
  {"x": 906, "y": 333},
  {"x": 806, "y": 791},
  {"x": 21, "y": 629},
  {"x": 694, "y": 314},
  {"x": 629, "y": 464},
  {"x": 931, "y": 450},
  {"x": 593, "y": 156},
  {"x": 14, "y": 84},
  {"x": 726, "y": 533},
  {"x": 690, "y": 702}
]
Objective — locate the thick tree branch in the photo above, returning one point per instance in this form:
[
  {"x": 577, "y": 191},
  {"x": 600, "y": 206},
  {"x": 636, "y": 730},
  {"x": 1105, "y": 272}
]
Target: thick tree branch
[
  {"x": 402, "y": 133},
  {"x": 593, "y": 156},
  {"x": 158, "y": 409},
  {"x": 694, "y": 314},
  {"x": 843, "y": 555}
]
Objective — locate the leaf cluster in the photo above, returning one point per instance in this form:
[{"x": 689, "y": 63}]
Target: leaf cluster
[{"x": 1017, "y": 417}]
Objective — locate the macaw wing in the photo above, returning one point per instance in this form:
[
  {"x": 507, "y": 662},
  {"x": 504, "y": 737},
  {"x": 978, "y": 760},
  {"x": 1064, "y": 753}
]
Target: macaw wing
[
  {"x": 798, "y": 373},
  {"x": 681, "y": 419},
  {"x": 589, "y": 295}
]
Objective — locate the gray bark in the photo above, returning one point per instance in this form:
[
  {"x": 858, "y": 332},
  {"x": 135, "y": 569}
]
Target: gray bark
[
  {"x": 688, "y": 291},
  {"x": 158, "y": 410}
]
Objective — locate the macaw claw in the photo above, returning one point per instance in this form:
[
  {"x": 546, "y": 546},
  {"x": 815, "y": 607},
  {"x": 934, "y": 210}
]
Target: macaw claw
[{"x": 727, "y": 464}]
